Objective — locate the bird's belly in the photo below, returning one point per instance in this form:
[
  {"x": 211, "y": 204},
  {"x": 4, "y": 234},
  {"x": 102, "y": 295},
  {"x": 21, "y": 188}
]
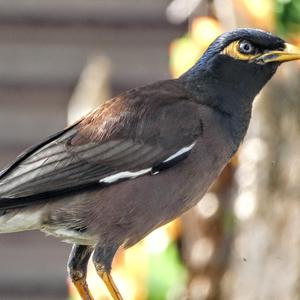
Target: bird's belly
[{"x": 70, "y": 236}]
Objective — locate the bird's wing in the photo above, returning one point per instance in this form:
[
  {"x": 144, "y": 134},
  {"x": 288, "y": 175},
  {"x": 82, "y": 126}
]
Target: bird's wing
[{"x": 142, "y": 131}]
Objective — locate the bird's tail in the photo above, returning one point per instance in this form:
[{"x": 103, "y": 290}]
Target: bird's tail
[{"x": 15, "y": 220}]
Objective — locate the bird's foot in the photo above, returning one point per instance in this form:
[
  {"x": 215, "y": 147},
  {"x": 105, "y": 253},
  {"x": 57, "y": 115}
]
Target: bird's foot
[
  {"x": 109, "y": 282},
  {"x": 83, "y": 290}
]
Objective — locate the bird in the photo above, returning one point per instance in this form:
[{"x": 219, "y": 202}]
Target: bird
[{"x": 142, "y": 158}]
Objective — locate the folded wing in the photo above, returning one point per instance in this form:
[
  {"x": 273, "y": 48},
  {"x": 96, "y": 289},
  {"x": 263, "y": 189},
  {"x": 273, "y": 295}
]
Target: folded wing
[{"x": 138, "y": 133}]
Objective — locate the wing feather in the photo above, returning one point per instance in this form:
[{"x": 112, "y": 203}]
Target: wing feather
[{"x": 129, "y": 134}]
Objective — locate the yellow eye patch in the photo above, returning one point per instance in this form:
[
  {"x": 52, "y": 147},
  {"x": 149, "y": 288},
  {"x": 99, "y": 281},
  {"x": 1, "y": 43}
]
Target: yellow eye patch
[{"x": 233, "y": 50}]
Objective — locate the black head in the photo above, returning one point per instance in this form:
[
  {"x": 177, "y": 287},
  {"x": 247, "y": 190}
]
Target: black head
[{"x": 240, "y": 63}]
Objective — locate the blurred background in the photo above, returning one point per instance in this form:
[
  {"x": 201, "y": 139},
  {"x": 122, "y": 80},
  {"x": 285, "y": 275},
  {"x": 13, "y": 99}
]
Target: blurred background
[{"x": 60, "y": 59}]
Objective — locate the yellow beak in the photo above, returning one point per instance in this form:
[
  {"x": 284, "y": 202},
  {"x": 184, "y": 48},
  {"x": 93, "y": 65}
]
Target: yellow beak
[{"x": 290, "y": 52}]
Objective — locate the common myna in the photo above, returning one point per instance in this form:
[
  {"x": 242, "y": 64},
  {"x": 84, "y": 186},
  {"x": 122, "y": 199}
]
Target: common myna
[{"x": 142, "y": 158}]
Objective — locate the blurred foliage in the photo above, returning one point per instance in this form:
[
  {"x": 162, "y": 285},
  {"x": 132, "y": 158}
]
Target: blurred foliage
[
  {"x": 167, "y": 274},
  {"x": 288, "y": 16},
  {"x": 185, "y": 51}
]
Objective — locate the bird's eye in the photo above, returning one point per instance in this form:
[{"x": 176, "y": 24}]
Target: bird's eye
[
  {"x": 241, "y": 50},
  {"x": 246, "y": 47}
]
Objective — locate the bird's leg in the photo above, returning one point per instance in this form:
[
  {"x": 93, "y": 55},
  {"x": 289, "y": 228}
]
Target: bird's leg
[
  {"x": 77, "y": 269},
  {"x": 102, "y": 259}
]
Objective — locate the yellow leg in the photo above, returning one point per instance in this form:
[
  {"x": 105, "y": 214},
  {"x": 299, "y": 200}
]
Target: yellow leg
[
  {"x": 82, "y": 289},
  {"x": 109, "y": 282},
  {"x": 77, "y": 268}
]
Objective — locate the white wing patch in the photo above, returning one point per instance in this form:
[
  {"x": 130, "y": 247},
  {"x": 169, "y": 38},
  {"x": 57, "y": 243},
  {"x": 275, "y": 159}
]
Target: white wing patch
[
  {"x": 131, "y": 175},
  {"x": 180, "y": 152},
  {"x": 122, "y": 175}
]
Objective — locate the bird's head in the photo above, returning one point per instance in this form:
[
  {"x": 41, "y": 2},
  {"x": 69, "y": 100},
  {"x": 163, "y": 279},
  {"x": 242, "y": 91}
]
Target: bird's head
[{"x": 241, "y": 62}]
